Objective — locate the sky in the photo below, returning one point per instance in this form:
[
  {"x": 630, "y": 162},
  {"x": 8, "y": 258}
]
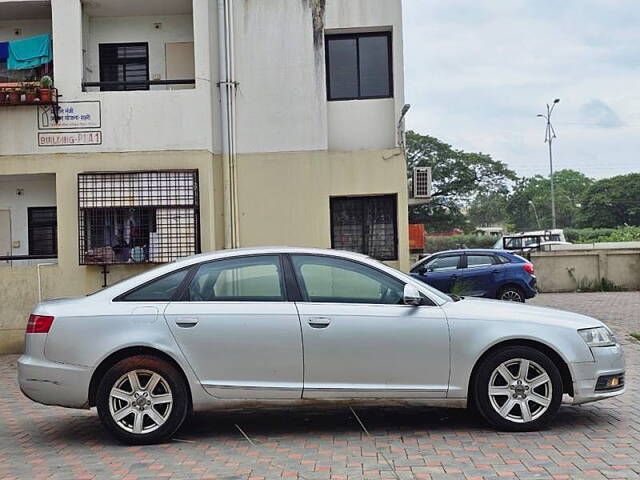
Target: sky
[{"x": 477, "y": 72}]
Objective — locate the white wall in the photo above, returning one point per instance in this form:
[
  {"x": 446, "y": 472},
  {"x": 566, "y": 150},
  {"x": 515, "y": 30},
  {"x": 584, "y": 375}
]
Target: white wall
[
  {"x": 175, "y": 28},
  {"x": 131, "y": 121},
  {"x": 281, "y": 101},
  {"x": 281, "y": 96},
  {"x": 30, "y": 28},
  {"x": 361, "y": 124},
  {"x": 37, "y": 191}
]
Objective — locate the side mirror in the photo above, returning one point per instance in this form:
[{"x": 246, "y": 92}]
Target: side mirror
[{"x": 411, "y": 295}]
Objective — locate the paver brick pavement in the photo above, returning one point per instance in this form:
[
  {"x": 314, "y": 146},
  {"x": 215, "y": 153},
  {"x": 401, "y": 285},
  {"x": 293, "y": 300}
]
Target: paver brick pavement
[{"x": 595, "y": 441}]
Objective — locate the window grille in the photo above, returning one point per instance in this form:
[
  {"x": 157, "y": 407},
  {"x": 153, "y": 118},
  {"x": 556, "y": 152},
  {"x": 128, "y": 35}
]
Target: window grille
[
  {"x": 43, "y": 231},
  {"x": 138, "y": 217},
  {"x": 365, "y": 225}
]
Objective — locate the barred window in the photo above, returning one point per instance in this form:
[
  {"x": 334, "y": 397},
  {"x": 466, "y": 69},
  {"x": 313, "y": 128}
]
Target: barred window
[
  {"x": 138, "y": 217},
  {"x": 366, "y": 225},
  {"x": 43, "y": 231}
]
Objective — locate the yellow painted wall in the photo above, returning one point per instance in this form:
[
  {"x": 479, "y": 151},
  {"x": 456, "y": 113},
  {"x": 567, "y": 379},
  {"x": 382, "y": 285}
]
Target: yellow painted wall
[
  {"x": 18, "y": 285},
  {"x": 283, "y": 199}
]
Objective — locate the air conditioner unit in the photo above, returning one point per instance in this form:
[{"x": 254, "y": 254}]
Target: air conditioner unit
[{"x": 422, "y": 182}]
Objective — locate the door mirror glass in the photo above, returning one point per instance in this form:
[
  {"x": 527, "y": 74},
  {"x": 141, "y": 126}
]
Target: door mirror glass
[{"x": 411, "y": 295}]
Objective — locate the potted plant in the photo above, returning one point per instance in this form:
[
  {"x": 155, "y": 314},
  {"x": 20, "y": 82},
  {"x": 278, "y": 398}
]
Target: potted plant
[
  {"x": 45, "y": 88},
  {"x": 30, "y": 94}
]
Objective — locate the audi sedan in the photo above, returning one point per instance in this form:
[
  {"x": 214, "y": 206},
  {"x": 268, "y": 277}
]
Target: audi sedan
[{"x": 301, "y": 327}]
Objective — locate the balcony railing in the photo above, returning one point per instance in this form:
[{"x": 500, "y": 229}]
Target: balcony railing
[
  {"x": 137, "y": 83},
  {"x": 28, "y": 93}
]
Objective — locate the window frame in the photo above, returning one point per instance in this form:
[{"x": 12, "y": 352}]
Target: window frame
[
  {"x": 362, "y": 198},
  {"x": 356, "y": 36},
  {"x": 491, "y": 257},
  {"x": 176, "y": 295},
  {"x": 282, "y": 274},
  {"x": 123, "y": 86},
  {"x": 462, "y": 261},
  {"x": 302, "y": 289},
  {"x": 30, "y": 240}
]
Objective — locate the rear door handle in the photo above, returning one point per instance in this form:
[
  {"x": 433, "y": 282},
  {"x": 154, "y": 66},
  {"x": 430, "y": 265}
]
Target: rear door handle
[
  {"x": 319, "y": 322},
  {"x": 187, "y": 322}
]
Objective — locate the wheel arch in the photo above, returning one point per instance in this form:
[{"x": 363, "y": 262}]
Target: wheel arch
[
  {"x": 127, "y": 352},
  {"x": 556, "y": 358}
]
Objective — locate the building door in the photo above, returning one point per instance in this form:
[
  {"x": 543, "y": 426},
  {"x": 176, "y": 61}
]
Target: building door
[
  {"x": 180, "y": 63},
  {"x": 5, "y": 235}
]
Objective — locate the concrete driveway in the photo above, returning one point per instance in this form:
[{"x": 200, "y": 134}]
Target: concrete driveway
[{"x": 595, "y": 441}]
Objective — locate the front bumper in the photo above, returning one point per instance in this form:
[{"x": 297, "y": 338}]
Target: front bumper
[
  {"x": 52, "y": 383},
  {"x": 607, "y": 361}
]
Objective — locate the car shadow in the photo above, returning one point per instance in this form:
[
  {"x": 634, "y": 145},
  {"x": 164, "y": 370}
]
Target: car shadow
[{"x": 267, "y": 424}]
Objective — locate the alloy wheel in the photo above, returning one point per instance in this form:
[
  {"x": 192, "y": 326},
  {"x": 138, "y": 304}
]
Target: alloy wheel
[
  {"x": 520, "y": 390},
  {"x": 511, "y": 296},
  {"x": 140, "y": 401}
]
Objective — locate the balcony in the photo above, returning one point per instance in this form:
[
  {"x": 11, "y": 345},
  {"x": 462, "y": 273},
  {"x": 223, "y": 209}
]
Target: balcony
[
  {"x": 26, "y": 55},
  {"x": 138, "y": 45}
]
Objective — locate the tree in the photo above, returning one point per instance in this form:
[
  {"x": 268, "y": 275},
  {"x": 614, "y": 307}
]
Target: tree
[
  {"x": 532, "y": 196},
  {"x": 458, "y": 177},
  {"x": 612, "y": 202},
  {"x": 488, "y": 209}
]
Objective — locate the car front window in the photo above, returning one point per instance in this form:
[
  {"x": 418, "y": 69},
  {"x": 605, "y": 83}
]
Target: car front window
[
  {"x": 442, "y": 264},
  {"x": 336, "y": 280}
]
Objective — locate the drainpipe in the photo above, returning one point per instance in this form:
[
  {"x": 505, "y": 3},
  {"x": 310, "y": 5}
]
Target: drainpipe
[{"x": 227, "y": 86}]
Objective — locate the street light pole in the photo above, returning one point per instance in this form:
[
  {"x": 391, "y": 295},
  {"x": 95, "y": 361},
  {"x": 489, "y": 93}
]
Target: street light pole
[
  {"x": 549, "y": 135},
  {"x": 536, "y": 213}
]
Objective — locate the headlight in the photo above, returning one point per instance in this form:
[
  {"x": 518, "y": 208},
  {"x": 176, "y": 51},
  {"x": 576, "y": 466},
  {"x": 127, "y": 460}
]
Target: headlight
[{"x": 597, "y": 337}]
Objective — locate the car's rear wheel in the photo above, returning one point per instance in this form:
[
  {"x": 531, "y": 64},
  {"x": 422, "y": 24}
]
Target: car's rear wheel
[
  {"x": 142, "y": 400},
  {"x": 511, "y": 293},
  {"x": 518, "y": 389}
]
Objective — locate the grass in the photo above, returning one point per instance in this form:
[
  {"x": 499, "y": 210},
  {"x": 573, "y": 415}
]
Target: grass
[{"x": 635, "y": 335}]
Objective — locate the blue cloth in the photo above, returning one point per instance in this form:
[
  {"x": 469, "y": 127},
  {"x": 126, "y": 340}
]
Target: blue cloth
[
  {"x": 4, "y": 51},
  {"x": 30, "y": 52}
]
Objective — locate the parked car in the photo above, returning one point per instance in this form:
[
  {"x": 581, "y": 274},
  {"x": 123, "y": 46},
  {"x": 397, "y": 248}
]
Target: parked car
[
  {"x": 524, "y": 242},
  {"x": 226, "y": 328},
  {"x": 479, "y": 273}
]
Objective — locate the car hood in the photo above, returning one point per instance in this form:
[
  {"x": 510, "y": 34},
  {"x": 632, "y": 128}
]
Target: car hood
[{"x": 501, "y": 311}]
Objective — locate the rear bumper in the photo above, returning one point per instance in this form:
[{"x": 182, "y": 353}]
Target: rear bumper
[
  {"x": 607, "y": 361},
  {"x": 52, "y": 383},
  {"x": 530, "y": 290}
]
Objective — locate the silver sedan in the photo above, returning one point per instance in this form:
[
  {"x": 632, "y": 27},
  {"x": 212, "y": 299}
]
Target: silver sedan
[{"x": 302, "y": 326}]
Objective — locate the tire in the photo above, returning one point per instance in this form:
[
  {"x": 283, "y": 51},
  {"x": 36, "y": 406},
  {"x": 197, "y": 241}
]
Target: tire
[
  {"x": 520, "y": 403},
  {"x": 511, "y": 293},
  {"x": 150, "y": 413}
]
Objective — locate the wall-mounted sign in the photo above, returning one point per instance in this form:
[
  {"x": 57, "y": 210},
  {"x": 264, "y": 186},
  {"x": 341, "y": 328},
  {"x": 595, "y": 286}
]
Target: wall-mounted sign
[
  {"x": 72, "y": 115},
  {"x": 59, "y": 139}
]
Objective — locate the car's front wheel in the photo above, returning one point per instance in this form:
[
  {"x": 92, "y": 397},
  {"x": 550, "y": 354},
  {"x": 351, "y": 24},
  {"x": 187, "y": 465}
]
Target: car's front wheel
[
  {"x": 142, "y": 400},
  {"x": 518, "y": 389}
]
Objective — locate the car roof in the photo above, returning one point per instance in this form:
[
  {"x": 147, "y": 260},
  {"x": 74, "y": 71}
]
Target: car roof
[
  {"x": 136, "y": 280},
  {"x": 488, "y": 251}
]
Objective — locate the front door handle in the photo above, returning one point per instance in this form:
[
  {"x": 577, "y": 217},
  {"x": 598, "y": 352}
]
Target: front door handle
[
  {"x": 318, "y": 322},
  {"x": 187, "y": 322}
]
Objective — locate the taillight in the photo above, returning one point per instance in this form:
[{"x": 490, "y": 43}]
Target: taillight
[
  {"x": 528, "y": 267},
  {"x": 39, "y": 323}
]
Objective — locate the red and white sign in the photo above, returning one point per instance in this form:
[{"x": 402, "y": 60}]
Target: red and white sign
[{"x": 59, "y": 139}]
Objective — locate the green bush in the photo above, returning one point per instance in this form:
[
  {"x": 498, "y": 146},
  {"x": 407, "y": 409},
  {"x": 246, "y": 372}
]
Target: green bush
[
  {"x": 595, "y": 235},
  {"x": 438, "y": 244}
]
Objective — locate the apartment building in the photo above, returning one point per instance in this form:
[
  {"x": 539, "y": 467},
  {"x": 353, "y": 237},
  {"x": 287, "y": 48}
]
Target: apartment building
[{"x": 172, "y": 127}]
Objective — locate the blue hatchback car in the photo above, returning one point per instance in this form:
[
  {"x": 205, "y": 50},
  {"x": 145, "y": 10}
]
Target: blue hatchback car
[{"x": 479, "y": 273}]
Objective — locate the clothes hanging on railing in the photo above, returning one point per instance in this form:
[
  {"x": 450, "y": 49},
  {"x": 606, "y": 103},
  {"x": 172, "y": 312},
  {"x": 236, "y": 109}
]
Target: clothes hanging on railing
[
  {"x": 4, "y": 51},
  {"x": 30, "y": 52}
]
